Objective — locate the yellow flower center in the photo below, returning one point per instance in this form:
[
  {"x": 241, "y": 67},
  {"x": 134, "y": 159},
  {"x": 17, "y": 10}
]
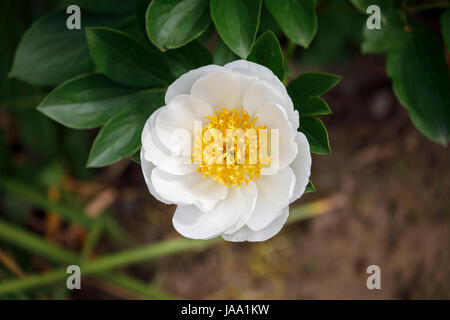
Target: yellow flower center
[{"x": 230, "y": 149}]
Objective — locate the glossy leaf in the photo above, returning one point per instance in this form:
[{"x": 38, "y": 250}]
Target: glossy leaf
[
  {"x": 173, "y": 23},
  {"x": 237, "y": 23},
  {"x": 107, "y": 6},
  {"x": 362, "y": 5},
  {"x": 445, "y": 27},
  {"x": 222, "y": 54},
  {"x": 87, "y": 101},
  {"x": 297, "y": 19},
  {"x": 313, "y": 106},
  {"x": 124, "y": 60},
  {"x": 421, "y": 81},
  {"x": 49, "y": 53},
  {"x": 191, "y": 56},
  {"x": 316, "y": 134},
  {"x": 267, "y": 52},
  {"x": 311, "y": 84},
  {"x": 381, "y": 40},
  {"x": 121, "y": 135}
]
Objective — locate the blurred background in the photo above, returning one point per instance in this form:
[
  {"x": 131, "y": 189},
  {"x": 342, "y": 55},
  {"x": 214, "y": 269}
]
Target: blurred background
[{"x": 382, "y": 196}]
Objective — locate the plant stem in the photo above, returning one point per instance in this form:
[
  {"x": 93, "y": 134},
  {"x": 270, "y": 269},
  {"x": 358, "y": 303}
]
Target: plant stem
[{"x": 149, "y": 252}]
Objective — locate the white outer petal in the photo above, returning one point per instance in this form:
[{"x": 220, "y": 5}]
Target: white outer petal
[
  {"x": 147, "y": 168},
  {"x": 195, "y": 224},
  {"x": 250, "y": 195},
  {"x": 184, "y": 83},
  {"x": 274, "y": 117},
  {"x": 257, "y": 70},
  {"x": 188, "y": 189},
  {"x": 262, "y": 92},
  {"x": 175, "y": 122},
  {"x": 157, "y": 153},
  {"x": 246, "y": 234},
  {"x": 301, "y": 166},
  {"x": 220, "y": 89},
  {"x": 274, "y": 194}
]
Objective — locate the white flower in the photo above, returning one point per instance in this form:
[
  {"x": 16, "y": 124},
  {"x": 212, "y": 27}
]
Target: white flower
[{"x": 239, "y": 202}]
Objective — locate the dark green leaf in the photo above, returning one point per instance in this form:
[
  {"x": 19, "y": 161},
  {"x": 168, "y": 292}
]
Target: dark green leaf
[
  {"x": 316, "y": 134},
  {"x": 381, "y": 40},
  {"x": 445, "y": 27},
  {"x": 87, "y": 101},
  {"x": 107, "y": 6},
  {"x": 421, "y": 81},
  {"x": 311, "y": 84},
  {"x": 126, "y": 61},
  {"x": 173, "y": 23},
  {"x": 297, "y": 19},
  {"x": 313, "y": 106},
  {"x": 362, "y": 5},
  {"x": 310, "y": 188},
  {"x": 136, "y": 157},
  {"x": 237, "y": 23},
  {"x": 191, "y": 56},
  {"x": 223, "y": 54},
  {"x": 267, "y": 52},
  {"x": 121, "y": 135},
  {"x": 49, "y": 53}
]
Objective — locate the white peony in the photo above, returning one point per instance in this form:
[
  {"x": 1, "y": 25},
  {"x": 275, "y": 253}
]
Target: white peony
[{"x": 240, "y": 202}]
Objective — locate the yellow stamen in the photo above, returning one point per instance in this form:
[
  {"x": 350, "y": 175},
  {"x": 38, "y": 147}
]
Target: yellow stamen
[{"x": 226, "y": 149}]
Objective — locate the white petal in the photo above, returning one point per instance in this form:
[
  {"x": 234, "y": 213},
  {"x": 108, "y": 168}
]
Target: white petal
[
  {"x": 220, "y": 89},
  {"x": 184, "y": 83},
  {"x": 157, "y": 153},
  {"x": 257, "y": 70},
  {"x": 274, "y": 117},
  {"x": 262, "y": 92},
  {"x": 147, "y": 168},
  {"x": 246, "y": 234},
  {"x": 250, "y": 194},
  {"x": 195, "y": 224},
  {"x": 301, "y": 166},
  {"x": 175, "y": 122},
  {"x": 188, "y": 189},
  {"x": 274, "y": 194}
]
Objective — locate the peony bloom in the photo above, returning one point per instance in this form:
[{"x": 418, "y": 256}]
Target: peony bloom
[{"x": 240, "y": 200}]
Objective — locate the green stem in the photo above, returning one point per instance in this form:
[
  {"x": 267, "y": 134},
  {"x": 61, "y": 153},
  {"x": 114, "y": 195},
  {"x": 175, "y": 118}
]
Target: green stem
[
  {"x": 74, "y": 216},
  {"x": 149, "y": 252}
]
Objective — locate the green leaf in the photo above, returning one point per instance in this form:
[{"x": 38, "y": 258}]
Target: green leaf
[
  {"x": 87, "y": 101},
  {"x": 313, "y": 106},
  {"x": 445, "y": 27},
  {"x": 316, "y": 134},
  {"x": 121, "y": 135},
  {"x": 136, "y": 157},
  {"x": 381, "y": 40},
  {"x": 310, "y": 188},
  {"x": 362, "y": 5},
  {"x": 267, "y": 52},
  {"x": 297, "y": 19},
  {"x": 107, "y": 6},
  {"x": 421, "y": 81},
  {"x": 191, "y": 56},
  {"x": 237, "y": 23},
  {"x": 311, "y": 84},
  {"x": 222, "y": 54},
  {"x": 173, "y": 23},
  {"x": 49, "y": 53},
  {"x": 124, "y": 60}
]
